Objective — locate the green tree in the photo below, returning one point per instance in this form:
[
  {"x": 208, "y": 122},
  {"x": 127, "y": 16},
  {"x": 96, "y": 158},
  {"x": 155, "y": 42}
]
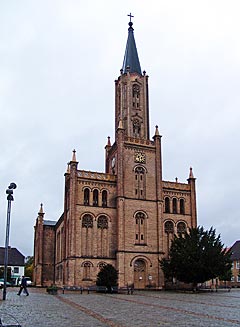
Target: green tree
[
  {"x": 107, "y": 276},
  {"x": 29, "y": 267},
  {"x": 196, "y": 257}
]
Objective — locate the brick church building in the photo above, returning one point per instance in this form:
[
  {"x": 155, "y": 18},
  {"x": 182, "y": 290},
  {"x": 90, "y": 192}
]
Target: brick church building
[{"x": 125, "y": 216}]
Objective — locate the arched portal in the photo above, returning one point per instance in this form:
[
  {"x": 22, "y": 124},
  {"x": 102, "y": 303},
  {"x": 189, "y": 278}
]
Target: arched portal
[{"x": 140, "y": 274}]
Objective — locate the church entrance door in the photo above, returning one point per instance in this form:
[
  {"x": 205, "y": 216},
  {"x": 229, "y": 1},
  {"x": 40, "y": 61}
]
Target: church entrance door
[{"x": 139, "y": 274}]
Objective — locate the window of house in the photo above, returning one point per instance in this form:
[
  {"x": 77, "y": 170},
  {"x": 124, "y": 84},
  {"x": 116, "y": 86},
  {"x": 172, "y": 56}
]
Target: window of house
[
  {"x": 16, "y": 270},
  {"x": 237, "y": 264},
  {"x": 167, "y": 205},
  {"x": 95, "y": 198},
  {"x": 86, "y": 197}
]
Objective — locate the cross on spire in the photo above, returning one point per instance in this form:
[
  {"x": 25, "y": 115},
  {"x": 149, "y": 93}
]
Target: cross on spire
[{"x": 131, "y": 16}]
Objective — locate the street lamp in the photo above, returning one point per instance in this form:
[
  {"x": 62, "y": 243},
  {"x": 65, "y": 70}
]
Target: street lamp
[{"x": 9, "y": 192}]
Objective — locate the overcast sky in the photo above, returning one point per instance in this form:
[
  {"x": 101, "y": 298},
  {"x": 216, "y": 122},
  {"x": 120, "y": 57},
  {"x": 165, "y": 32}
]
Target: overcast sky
[{"x": 58, "y": 63}]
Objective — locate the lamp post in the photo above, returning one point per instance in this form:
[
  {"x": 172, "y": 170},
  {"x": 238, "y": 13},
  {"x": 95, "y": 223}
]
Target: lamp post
[{"x": 9, "y": 192}]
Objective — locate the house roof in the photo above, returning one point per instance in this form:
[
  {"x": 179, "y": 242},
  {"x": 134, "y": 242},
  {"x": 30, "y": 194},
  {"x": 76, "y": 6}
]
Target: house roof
[
  {"x": 15, "y": 258},
  {"x": 235, "y": 251}
]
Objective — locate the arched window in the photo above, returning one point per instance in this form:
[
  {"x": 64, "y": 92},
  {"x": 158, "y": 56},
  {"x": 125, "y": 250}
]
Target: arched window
[
  {"x": 167, "y": 205},
  {"x": 174, "y": 204},
  {"x": 136, "y": 96},
  {"x": 102, "y": 237},
  {"x": 87, "y": 270},
  {"x": 104, "y": 199},
  {"x": 102, "y": 222},
  {"x": 140, "y": 228},
  {"x": 95, "y": 198},
  {"x": 140, "y": 183},
  {"x": 87, "y": 221},
  {"x": 86, "y": 197},
  {"x": 182, "y": 207},
  {"x": 168, "y": 227},
  {"x": 87, "y": 235},
  {"x": 181, "y": 228}
]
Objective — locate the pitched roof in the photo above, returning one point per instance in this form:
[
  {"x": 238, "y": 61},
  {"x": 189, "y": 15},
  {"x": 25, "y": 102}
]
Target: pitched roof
[
  {"x": 15, "y": 258},
  {"x": 235, "y": 251},
  {"x": 131, "y": 60}
]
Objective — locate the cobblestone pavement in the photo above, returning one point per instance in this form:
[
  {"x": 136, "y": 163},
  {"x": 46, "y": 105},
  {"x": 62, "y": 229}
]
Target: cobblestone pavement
[{"x": 121, "y": 310}]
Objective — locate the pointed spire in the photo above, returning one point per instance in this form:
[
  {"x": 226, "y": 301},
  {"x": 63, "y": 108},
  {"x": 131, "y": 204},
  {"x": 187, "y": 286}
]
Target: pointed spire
[
  {"x": 109, "y": 141},
  {"x": 74, "y": 156},
  {"x": 156, "y": 131},
  {"x": 191, "y": 173},
  {"x": 41, "y": 213},
  {"x": 131, "y": 62}
]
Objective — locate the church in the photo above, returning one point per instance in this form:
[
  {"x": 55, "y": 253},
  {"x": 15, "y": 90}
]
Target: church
[{"x": 125, "y": 216}]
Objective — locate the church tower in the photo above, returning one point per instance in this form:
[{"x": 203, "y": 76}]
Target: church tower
[{"x": 136, "y": 160}]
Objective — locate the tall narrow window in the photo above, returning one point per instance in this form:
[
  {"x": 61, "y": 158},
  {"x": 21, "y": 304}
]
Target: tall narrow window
[
  {"x": 95, "y": 198},
  {"x": 140, "y": 229},
  {"x": 140, "y": 183},
  {"x": 86, "y": 197},
  {"x": 87, "y": 235},
  {"x": 169, "y": 230},
  {"x": 182, "y": 207},
  {"x": 167, "y": 205},
  {"x": 102, "y": 236},
  {"x": 87, "y": 270},
  {"x": 174, "y": 204},
  {"x": 136, "y": 96},
  {"x": 104, "y": 199}
]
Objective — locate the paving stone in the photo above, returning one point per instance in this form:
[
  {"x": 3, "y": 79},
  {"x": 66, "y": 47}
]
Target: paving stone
[{"x": 148, "y": 309}]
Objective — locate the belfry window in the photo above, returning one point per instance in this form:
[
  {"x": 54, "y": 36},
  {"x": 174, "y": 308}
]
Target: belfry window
[
  {"x": 86, "y": 197},
  {"x": 104, "y": 199},
  {"x": 95, "y": 198},
  {"x": 136, "y": 96},
  {"x": 167, "y": 205},
  {"x": 136, "y": 128}
]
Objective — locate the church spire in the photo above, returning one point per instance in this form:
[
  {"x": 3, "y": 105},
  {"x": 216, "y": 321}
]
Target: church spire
[{"x": 131, "y": 62}]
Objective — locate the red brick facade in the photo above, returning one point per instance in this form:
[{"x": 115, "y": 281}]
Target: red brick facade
[{"x": 125, "y": 216}]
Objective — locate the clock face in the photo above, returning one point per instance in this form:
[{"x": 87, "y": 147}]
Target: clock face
[{"x": 140, "y": 157}]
